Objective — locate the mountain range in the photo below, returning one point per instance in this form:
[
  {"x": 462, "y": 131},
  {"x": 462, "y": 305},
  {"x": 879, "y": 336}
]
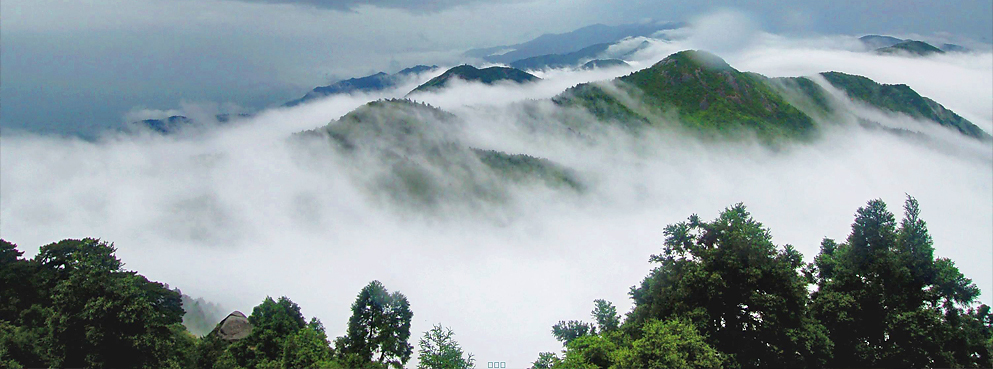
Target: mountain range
[
  {"x": 568, "y": 42},
  {"x": 889, "y": 44},
  {"x": 371, "y": 83},
  {"x": 469, "y": 73},
  {"x": 429, "y": 163}
]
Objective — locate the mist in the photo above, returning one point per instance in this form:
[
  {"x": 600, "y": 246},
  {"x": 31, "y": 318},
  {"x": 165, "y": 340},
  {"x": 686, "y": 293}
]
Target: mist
[{"x": 242, "y": 211}]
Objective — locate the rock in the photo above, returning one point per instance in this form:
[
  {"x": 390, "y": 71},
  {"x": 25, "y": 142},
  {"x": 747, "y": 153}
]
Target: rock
[{"x": 234, "y": 327}]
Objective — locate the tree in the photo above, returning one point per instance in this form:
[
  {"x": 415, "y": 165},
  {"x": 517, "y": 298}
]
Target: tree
[
  {"x": 669, "y": 344},
  {"x": 380, "y": 324},
  {"x": 887, "y": 301},
  {"x": 590, "y": 351},
  {"x": 605, "y": 315},
  {"x": 103, "y": 316},
  {"x": 307, "y": 348},
  {"x": 546, "y": 360},
  {"x": 439, "y": 350},
  {"x": 741, "y": 291},
  {"x": 567, "y": 331}
]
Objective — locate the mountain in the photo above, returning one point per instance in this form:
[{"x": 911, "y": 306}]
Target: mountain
[
  {"x": 176, "y": 123},
  {"x": 875, "y": 42},
  {"x": 878, "y": 41},
  {"x": 469, "y": 73},
  {"x": 561, "y": 60},
  {"x": 603, "y": 52},
  {"x": 953, "y": 48},
  {"x": 200, "y": 315},
  {"x": 701, "y": 89},
  {"x": 568, "y": 42},
  {"x": 919, "y": 48},
  {"x": 412, "y": 154},
  {"x": 604, "y": 63},
  {"x": 371, "y": 83},
  {"x": 902, "y": 99},
  {"x": 415, "y": 155},
  {"x": 707, "y": 95}
]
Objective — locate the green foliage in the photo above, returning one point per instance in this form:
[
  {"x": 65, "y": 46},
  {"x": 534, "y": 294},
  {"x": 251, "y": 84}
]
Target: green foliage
[
  {"x": 546, "y": 360},
  {"x": 307, "y": 348},
  {"x": 439, "y": 350},
  {"x": 73, "y": 305},
  {"x": 669, "y": 344},
  {"x": 706, "y": 94},
  {"x": 590, "y": 351},
  {"x": 567, "y": 331},
  {"x": 745, "y": 294},
  {"x": 710, "y": 94},
  {"x": 886, "y": 300},
  {"x": 273, "y": 322},
  {"x": 605, "y": 315},
  {"x": 380, "y": 323},
  {"x": 902, "y": 99}
]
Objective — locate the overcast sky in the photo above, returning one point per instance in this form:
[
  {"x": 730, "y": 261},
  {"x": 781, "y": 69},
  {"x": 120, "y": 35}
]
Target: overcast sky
[{"x": 73, "y": 66}]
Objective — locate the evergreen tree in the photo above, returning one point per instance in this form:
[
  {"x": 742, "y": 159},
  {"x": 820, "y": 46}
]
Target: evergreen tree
[
  {"x": 439, "y": 350},
  {"x": 605, "y": 315},
  {"x": 380, "y": 324},
  {"x": 886, "y": 300},
  {"x": 567, "y": 331},
  {"x": 744, "y": 294}
]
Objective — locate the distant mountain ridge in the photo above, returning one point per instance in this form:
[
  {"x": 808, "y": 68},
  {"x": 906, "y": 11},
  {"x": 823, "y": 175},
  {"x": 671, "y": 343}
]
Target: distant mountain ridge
[
  {"x": 560, "y": 60},
  {"x": 176, "y": 123},
  {"x": 581, "y": 58},
  {"x": 371, "y": 83},
  {"x": 470, "y": 73},
  {"x": 919, "y": 48},
  {"x": 890, "y": 44},
  {"x": 568, "y": 42}
]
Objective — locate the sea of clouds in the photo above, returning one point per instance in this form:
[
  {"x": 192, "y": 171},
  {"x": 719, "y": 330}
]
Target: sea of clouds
[{"x": 234, "y": 213}]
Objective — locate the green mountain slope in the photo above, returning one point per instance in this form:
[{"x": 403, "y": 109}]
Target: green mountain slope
[
  {"x": 701, "y": 89},
  {"x": 709, "y": 96},
  {"x": 472, "y": 74},
  {"x": 414, "y": 154},
  {"x": 902, "y": 99}
]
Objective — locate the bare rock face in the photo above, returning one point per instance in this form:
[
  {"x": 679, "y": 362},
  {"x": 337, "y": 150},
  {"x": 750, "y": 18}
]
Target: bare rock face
[{"x": 234, "y": 327}]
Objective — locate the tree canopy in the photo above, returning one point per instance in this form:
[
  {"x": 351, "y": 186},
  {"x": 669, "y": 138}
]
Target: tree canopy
[
  {"x": 439, "y": 350},
  {"x": 721, "y": 294}
]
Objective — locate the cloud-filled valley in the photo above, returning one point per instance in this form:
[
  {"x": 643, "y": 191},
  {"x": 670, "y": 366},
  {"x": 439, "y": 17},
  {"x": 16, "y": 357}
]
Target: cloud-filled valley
[{"x": 239, "y": 211}]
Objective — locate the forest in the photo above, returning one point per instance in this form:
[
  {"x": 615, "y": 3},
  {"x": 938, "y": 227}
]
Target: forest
[{"x": 721, "y": 294}]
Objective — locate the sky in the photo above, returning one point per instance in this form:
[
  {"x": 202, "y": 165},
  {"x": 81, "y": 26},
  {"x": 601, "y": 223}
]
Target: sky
[{"x": 79, "y": 67}]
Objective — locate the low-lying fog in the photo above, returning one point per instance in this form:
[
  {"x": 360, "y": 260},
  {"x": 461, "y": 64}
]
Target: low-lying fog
[{"x": 233, "y": 214}]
